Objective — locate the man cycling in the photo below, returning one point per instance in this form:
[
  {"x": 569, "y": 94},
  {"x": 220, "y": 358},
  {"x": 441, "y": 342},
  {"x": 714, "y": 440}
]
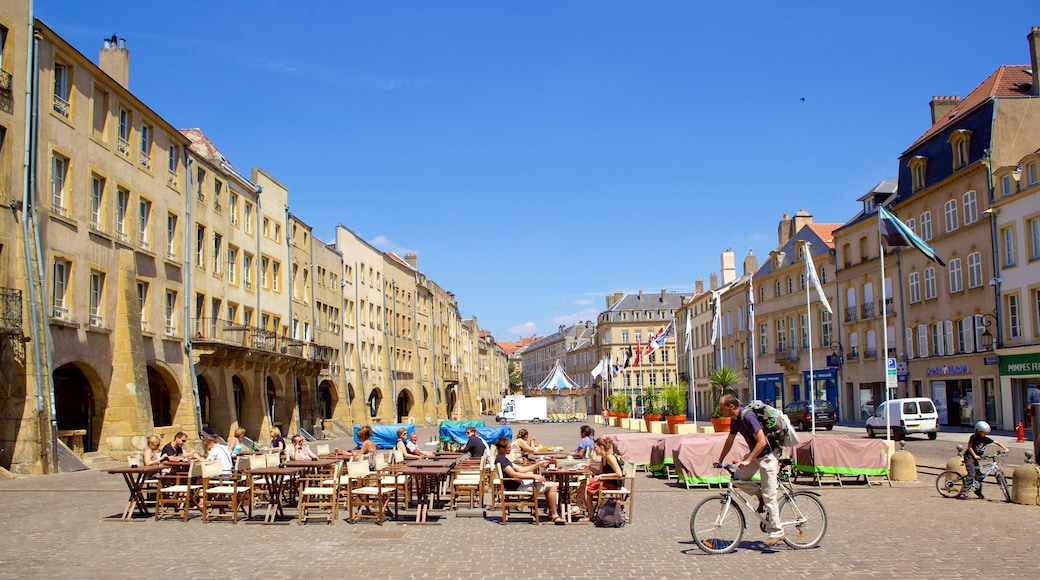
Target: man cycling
[
  {"x": 976, "y": 449},
  {"x": 762, "y": 459}
]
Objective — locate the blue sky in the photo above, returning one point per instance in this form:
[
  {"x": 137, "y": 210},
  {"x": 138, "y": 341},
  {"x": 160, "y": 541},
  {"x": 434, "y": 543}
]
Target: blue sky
[{"x": 538, "y": 155}]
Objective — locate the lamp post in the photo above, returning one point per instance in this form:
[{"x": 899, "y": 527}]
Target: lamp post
[
  {"x": 987, "y": 338},
  {"x": 839, "y": 351}
]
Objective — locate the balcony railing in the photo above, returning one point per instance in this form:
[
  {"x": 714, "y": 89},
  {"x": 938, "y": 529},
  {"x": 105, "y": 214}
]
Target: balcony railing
[
  {"x": 171, "y": 178},
  {"x": 61, "y": 106},
  {"x": 216, "y": 330},
  {"x": 852, "y": 354},
  {"x": 146, "y": 161},
  {"x": 60, "y": 312},
  {"x": 868, "y": 310},
  {"x": 890, "y": 307},
  {"x": 10, "y": 311},
  {"x": 870, "y": 354},
  {"x": 96, "y": 321},
  {"x": 5, "y": 80},
  {"x": 850, "y": 314},
  {"x": 123, "y": 146},
  {"x": 785, "y": 355}
]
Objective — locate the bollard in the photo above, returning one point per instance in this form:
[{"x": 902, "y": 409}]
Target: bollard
[
  {"x": 1025, "y": 488},
  {"x": 904, "y": 466},
  {"x": 956, "y": 463}
]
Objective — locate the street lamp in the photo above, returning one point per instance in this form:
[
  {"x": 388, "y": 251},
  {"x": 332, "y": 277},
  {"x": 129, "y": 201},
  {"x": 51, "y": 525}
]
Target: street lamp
[
  {"x": 987, "y": 337},
  {"x": 839, "y": 351}
]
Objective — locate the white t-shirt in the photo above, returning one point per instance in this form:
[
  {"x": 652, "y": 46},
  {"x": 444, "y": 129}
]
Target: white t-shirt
[{"x": 223, "y": 454}]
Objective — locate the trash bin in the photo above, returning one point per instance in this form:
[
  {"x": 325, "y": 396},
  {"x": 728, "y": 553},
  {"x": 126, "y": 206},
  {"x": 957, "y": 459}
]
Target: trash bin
[{"x": 318, "y": 431}]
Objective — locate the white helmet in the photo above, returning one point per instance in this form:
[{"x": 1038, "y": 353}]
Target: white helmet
[{"x": 982, "y": 426}]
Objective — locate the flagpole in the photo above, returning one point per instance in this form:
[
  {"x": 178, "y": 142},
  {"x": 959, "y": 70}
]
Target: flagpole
[
  {"x": 884, "y": 332},
  {"x": 751, "y": 335},
  {"x": 806, "y": 247}
]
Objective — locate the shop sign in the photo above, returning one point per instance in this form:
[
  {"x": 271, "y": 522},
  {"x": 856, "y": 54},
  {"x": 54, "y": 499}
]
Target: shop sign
[
  {"x": 948, "y": 370},
  {"x": 1020, "y": 364},
  {"x": 992, "y": 360}
]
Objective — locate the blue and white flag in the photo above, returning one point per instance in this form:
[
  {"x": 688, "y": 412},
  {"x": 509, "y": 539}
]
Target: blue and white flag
[
  {"x": 895, "y": 234},
  {"x": 810, "y": 270},
  {"x": 716, "y": 318},
  {"x": 658, "y": 339}
]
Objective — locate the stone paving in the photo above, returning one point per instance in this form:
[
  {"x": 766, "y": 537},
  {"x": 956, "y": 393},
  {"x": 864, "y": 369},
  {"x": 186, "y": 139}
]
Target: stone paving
[{"x": 54, "y": 528}]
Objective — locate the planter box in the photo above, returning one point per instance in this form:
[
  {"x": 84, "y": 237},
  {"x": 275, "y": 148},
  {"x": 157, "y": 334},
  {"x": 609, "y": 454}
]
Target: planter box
[
  {"x": 706, "y": 429},
  {"x": 684, "y": 428},
  {"x": 659, "y": 427}
]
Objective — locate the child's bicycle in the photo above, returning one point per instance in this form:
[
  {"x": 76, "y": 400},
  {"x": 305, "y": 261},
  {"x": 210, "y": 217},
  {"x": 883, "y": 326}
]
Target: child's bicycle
[
  {"x": 952, "y": 484},
  {"x": 717, "y": 523}
]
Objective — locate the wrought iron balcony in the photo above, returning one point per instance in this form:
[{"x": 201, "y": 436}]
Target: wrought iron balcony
[
  {"x": 10, "y": 311},
  {"x": 850, "y": 314},
  {"x": 785, "y": 355},
  {"x": 868, "y": 310},
  {"x": 870, "y": 353}
]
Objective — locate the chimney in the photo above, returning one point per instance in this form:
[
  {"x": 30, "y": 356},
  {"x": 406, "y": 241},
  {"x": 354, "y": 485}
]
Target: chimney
[
  {"x": 1034, "y": 58},
  {"x": 941, "y": 106},
  {"x": 613, "y": 299},
  {"x": 783, "y": 230},
  {"x": 561, "y": 328},
  {"x": 412, "y": 259},
  {"x": 801, "y": 219},
  {"x": 713, "y": 281},
  {"x": 114, "y": 59},
  {"x": 727, "y": 266},
  {"x": 640, "y": 293},
  {"x": 699, "y": 286},
  {"x": 662, "y": 294},
  {"x": 750, "y": 263}
]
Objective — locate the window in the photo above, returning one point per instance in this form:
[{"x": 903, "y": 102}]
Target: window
[
  {"x": 908, "y": 337},
  {"x": 781, "y": 336},
  {"x": 232, "y": 263},
  {"x": 966, "y": 334},
  {"x": 59, "y": 174},
  {"x": 217, "y": 187},
  {"x": 864, "y": 253},
  {"x": 1014, "y": 317},
  {"x": 956, "y": 284},
  {"x": 917, "y": 167},
  {"x": 170, "y": 313},
  {"x": 97, "y": 281},
  {"x": 803, "y": 321},
  {"x": 171, "y": 236},
  {"x": 233, "y": 208},
  {"x": 247, "y": 215},
  {"x": 950, "y": 211},
  {"x": 825, "y": 328},
  {"x": 823, "y": 274},
  {"x": 122, "y": 206},
  {"x": 59, "y": 286},
  {"x": 1006, "y": 186},
  {"x": 99, "y": 122},
  {"x": 264, "y": 272},
  {"x": 790, "y": 285},
  {"x": 97, "y": 192},
  {"x": 200, "y": 185},
  {"x": 971, "y": 209},
  {"x": 1033, "y": 173},
  {"x": 1034, "y": 239},
  {"x": 926, "y": 225},
  {"x": 624, "y": 336},
  {"x": 915, "y": 287},
  {"x": 777, "y": 289},
  {"x": 218, "y": 249},
  {"x": 922, "y": 340},
  {"x": 275, "y": 275},
  {"x": 938, "y": 342},
  {"x": 870, "y": 344},
  {"x": 247, "y": 271},
  {"x": 960, "y": 141},
  {"x": 171, "y": 166},
  {"x": 1007, "y": 246},
  {"x": 974, "y": 269},
  {"x": 912, "y": 224},
  {"x": 62, "y": 88},
  {"x": 143, "y": 215},
  {"x": 200, "y": 246},
  {"x": 142, "y": 298},
  {"x": 146, "y": 146},
  {"x": 123, "y": 142},
  {"x": 763, "y": 339},
  {"x": 929, "y": 283}
]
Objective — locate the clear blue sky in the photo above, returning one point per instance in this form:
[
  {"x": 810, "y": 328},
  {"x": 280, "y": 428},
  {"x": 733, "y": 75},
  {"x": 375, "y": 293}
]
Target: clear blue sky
[{"x": 538, "y": 155}]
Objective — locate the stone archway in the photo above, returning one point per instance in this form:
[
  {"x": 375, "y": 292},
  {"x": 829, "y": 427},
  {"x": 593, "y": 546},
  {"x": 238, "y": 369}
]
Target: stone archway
[
  {"x": 450, "y": 401},
  {"x": 79, "y": 403},
  {"x": 375, "y": 400},
  {"x": 405, "y": 404},
  {"x": 327, "y": 399},
  {"x": 164, "y": 395}
]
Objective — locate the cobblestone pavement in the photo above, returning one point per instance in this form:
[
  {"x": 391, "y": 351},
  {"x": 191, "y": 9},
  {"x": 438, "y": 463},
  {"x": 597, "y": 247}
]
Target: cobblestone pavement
[{"x": 54, "y": 528}]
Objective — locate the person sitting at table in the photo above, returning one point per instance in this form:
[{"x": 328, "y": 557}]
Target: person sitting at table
[
  {"x": 300, "y": 452},
  {"x": 586, "y": 444},
  {"x": 524, "y": 442},
  {"x": 609, "y": 477},
  {"x": 277, "y": 441},
  {"x": 364, "y": 434},
  {"x": 412, "y": 445},
  {"x": 402, "y": 444},
  {"x": 235, "y": 443},
  {"x": 174, "y": 450},
  {"x": 216, "y": 451},
  {"x": 531, "y": 479},
  {"x": 152, "y": 455},
  {"x": 475, "y": 446}
]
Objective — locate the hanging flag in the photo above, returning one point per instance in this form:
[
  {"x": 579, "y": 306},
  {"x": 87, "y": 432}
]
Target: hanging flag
[
  {"x": 628, "y": 357},
  {"x": 598, "y": 368},
  {"x": 810, "y": 271},
  {"x": 658, "y": 340},
  {"x": 895, "y": 234},
  {"x": 639, "y": 350},
  {"x": 751, "y": 305},
  {"x": 617, "y": 364},
  {"x": 605, "y": 373},
  {"x": 689, "y": 331},
  {"x": 716, "y": 319}
]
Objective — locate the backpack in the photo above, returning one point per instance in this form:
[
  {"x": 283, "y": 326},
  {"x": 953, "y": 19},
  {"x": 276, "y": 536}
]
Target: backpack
[
  {"x": 777, "y": 427},
  {"x": 609, "y": 514}
]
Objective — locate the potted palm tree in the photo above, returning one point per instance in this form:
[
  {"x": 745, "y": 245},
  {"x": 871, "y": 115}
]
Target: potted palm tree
[
  {"x": 674, "y": 396},
  {"x": 620, "y": 406},
  {"x": 720, "y": 383},
  {"x": 651, "y": 405}
]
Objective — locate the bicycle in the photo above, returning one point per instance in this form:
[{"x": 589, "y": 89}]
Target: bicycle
[
  {"x": 718, "y": 523},
  {"x": 951, "y": 483}
]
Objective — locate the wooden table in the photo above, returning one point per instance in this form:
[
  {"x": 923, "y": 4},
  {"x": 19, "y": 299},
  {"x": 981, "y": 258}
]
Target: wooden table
[
  {"x": 135, "y": 478},
  {"x": 424, "y": 479},
  {"x": 563, "y": 478},
  {"x": 313, "y": 465},
  {"x": 274, "y": 477}
]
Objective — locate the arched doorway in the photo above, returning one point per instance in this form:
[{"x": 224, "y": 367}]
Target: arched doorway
[
  {"x": 375, "y": 398},
  {"x": 76, "y": 406},
  {"x": 205, "y": 400},
  {"x": 450, "y": 400},
  {"x": 326, "y": 399},
  {"x": 405, "y": 402},
  {"x": 238, "y": 390},
  {"x": 163, "y": 398},
  {"x": 272, "y": 401}
]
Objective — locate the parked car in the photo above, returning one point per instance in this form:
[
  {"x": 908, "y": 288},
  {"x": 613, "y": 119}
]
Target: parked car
[
  {"x": 801, "y": 417},
  {"x": 916, "y": 415}
]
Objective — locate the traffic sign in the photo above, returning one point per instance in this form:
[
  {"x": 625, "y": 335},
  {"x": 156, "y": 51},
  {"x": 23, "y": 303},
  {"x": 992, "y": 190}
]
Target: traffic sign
[{"x": 891, "y": 374}]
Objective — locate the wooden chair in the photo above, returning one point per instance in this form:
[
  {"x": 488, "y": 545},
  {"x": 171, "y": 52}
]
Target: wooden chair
[
  {"x": 258, "y": 494},
  {"x": 228, "y": 496},
  {"x": 322, "y": 449},
  {"x": 468, "y": 481},
  {"x": 391, "y": 478},
  {"x": 175, "y": 492},
  {"x": 626, "y": 494},
  {"x": 319, "y": 495},
  {"x": 515, "y": 499},
  {"x": 367, "y": 496}
]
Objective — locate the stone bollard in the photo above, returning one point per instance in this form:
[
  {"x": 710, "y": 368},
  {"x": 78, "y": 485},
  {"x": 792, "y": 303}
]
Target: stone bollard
[
  {"x": 1025, "y": 489},
  {"x": 904, "y": 466},
  {"x": 956, "y": 463}
]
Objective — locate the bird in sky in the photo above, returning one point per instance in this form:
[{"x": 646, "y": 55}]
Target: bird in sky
[{"x": 802, "y": 100}]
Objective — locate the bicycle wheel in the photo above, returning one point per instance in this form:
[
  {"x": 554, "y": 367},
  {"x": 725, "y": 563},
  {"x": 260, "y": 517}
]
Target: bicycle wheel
[
  {"x": 949, "y": 483},
  {"x": 1002, "y": 480},
  {"x": 717, "y": 525},
  {"x": 804, "y": 520}
]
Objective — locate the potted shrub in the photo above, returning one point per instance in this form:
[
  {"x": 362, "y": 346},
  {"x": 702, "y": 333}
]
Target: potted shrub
[
  {"x": 651, "y": 405},
  {"x": 674, "y": 396},
  {"x": 720, "y": 383},
  {"x": 619, "y": 405}
]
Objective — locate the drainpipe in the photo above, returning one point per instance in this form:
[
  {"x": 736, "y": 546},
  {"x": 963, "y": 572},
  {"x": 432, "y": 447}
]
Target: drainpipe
[
  {"x": 292, "y": 367},
  {"x": 992, "y": 212},
  {"x": 188, "y": 268},
  {"x": 389, "y": 350}
]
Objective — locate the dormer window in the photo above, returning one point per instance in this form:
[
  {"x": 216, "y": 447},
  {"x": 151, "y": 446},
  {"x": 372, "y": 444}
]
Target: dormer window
[
  {"x": 868, "y": 206},
  {"x": 917, "y": 165},
  {"x": 960, "y": 141}
]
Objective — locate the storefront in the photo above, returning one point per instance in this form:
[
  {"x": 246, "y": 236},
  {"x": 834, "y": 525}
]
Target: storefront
[
  {"x": 826, "y": 387},
  {"x": 963, "y": 391},
  {"x": 769, "y": 388},
  {"x": 1020, "y": 384}
]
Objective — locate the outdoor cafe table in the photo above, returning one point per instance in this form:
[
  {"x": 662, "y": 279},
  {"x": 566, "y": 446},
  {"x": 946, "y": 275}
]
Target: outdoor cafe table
[
  {"x": 135, "y": 476},
  {"x": 312, "y": 465},
  {"x": 275, "y": 478},
  {"x": 424, "y": 479},
  {"x": 564, "y": 477}
]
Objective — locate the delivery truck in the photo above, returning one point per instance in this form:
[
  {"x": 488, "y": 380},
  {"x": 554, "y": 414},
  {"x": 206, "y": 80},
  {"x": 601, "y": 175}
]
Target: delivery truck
[{"x": 521, "y": 408}]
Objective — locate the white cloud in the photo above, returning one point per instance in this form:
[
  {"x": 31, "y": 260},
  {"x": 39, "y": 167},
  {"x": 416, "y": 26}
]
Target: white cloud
[
  {"x": 575, "y": 317},
  {"x": 582, "y": 302},
  {"x": 527, "y": 328},
  {"x": 384, "y": 244}
]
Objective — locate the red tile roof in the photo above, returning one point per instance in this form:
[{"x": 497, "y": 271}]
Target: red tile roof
[{"x": 825, "y": 232}]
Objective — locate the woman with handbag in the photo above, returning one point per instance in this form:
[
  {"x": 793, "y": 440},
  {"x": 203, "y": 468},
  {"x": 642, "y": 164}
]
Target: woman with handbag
[{"x": 609, "y": 477}]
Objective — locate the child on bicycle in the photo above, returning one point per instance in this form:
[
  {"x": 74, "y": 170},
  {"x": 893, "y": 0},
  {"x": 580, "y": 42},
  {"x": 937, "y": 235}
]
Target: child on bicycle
[{"x": 976, "y": 449}]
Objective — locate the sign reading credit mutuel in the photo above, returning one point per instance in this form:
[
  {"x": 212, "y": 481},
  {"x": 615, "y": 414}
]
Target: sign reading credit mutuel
[
  {"x": 948, "y": 370},
  {"x": 1020, "y": 364}
]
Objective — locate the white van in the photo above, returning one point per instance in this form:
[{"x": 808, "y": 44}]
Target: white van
[{"x": 916, "y": 415}]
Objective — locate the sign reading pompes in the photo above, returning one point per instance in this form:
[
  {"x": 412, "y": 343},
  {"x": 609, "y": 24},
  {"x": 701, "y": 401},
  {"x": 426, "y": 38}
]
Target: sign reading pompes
[
  {"x": 948, "y": 370},
  {"x": 1020, "y": 364}
]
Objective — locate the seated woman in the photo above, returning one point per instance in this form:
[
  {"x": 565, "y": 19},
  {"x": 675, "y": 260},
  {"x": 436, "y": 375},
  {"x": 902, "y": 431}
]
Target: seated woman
[
  {"x": 277, "y": 442},
  {"x": 151, "y": 455},
  {"x": 364, "y": 434},
  {"x": 402, "y": 444},
  {"x": 610, "y": 476},
  {"x": 524, "y": 442},
  {"x": 235, "y": 443},
  {"x": 527, "y": 473}
]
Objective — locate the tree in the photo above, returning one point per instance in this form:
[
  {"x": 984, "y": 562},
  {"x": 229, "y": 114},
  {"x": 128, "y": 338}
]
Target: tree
[
  {"x": 720, "y": 383},
  {"x": 515, "y": 382}
]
